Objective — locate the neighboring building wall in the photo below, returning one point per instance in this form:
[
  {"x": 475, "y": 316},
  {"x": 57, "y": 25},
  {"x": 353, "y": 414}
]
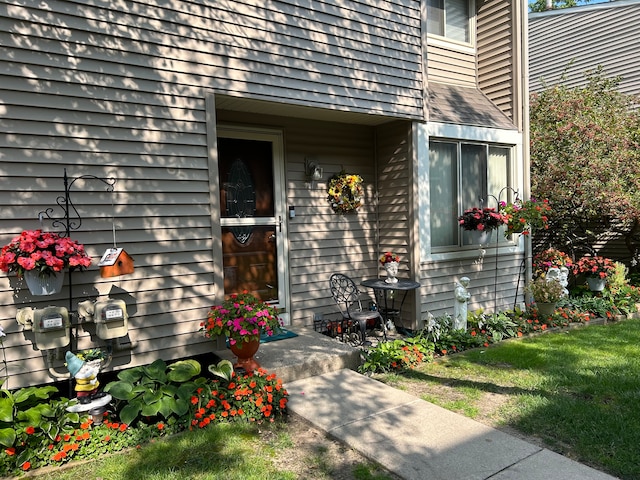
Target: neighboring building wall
[
  {"x": 566, "y": 43},
  {"x": 119, "y": 90}
]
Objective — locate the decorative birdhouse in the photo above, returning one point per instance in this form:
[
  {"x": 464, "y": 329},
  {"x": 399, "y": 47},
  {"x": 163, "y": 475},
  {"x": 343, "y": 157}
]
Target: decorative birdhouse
[{"x": 115, "y": 262}]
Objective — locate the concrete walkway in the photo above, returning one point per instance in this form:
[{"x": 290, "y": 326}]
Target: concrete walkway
[{"x": 418, "y": 440}]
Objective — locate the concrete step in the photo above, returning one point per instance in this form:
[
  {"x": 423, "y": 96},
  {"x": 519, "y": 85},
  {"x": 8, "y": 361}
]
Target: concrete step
[{"x": 308, "y": 354}]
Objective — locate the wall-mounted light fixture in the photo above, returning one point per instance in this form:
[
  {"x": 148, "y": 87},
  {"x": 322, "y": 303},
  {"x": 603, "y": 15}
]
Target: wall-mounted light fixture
[{"x": 312, "y": 171}]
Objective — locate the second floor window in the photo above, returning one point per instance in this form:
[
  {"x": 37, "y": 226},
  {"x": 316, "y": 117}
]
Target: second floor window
[{"x": 449, "y": 19}]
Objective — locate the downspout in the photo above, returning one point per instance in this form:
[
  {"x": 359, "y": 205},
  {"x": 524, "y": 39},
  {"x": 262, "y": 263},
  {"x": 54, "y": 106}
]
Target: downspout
[{"x": 528, "y": 248}]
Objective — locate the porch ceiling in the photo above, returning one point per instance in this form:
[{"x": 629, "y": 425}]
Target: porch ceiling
[{"x": 224, "y": 102}]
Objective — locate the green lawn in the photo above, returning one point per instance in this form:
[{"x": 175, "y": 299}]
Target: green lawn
[{"x": 577, "y": 390}]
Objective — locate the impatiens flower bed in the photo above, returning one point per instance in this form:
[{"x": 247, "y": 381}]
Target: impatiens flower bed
[
  {"x": 257, "y": 397},
  {"x": 37, "y": 431}
]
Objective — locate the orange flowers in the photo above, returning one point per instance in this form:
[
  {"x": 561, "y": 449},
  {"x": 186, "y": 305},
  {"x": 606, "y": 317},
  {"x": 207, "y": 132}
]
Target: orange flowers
[{"x": 255, "y": 396}]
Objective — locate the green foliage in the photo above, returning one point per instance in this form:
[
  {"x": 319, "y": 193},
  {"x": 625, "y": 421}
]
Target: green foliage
[
  {"x": 399, "y": 354},
  {"x": 29, "y": 420},
  {"x": 598, "y": 306},
  {"x": 585, "y": 157},
  {"x": 155, "y": 390},
  {"x": 541, "y": 5},
  {"x": 617, "y": 278},
  {"x": 44, "y": 433},
  {"x": 224, "y": 369}
]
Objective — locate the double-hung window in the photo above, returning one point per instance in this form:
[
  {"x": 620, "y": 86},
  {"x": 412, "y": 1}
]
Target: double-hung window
[
  {"x": 464, "y": 175},
  {"x": 449, "y": 19}
]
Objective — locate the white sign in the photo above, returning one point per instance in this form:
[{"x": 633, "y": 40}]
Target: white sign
[
  {"x": 112, "y": 313},
  {"x": 52, "y": 322},
  {"x": 110, "y": 256}
]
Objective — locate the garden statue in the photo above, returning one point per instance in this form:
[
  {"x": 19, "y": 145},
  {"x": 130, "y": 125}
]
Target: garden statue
[
  {"x": 560, "y": 275},
  {"x": 462, "y": 297},
  {"x": 86, "y": 388}
]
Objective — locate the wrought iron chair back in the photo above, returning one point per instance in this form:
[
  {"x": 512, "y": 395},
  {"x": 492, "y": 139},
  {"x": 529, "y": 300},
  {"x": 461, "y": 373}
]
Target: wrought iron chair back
[
  {"x": 345, "y": 293},
  {"x": 347, "y": 297}
]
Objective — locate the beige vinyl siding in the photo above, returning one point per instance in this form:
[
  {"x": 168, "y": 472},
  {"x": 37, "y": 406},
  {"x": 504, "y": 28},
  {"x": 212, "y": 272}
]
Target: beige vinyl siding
[
  {"x": 394, "y": 203},
  {"x": 118, "y": 90},
  {"x": 438, "y": 279},
  {"x": 564, "y": 44},
  {"x": 355, "y": 57},
  {"x": 448, "y": 64},
  {"x": 497, "y": 55}
]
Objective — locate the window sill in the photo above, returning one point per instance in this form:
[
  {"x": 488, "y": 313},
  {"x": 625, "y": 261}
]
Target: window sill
[{"x": 474, "y": 252}]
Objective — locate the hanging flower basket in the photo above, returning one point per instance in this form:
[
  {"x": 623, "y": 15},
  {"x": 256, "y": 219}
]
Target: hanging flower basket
[
  {"x": 43, "y": 256},
  {"x": 482, "y": 219},
  {"x": 344, "y": 192},
  {"x": 524, "y": 216}
]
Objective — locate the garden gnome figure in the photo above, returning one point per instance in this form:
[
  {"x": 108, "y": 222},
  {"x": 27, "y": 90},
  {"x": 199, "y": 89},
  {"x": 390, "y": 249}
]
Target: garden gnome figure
[
  {"x": 462, "y": 297},
  {"x": 86, "y": 376}
]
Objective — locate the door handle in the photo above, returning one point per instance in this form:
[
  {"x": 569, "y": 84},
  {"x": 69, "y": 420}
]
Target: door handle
[{"x": 280, "y": 223}]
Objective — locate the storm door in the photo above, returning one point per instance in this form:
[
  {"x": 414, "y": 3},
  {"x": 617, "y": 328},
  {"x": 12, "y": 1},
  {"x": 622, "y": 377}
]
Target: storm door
[{"x": 250, "y": 168}]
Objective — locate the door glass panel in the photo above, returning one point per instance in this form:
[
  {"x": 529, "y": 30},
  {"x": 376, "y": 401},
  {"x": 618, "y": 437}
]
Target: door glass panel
[{"x": 246, "y": 178}]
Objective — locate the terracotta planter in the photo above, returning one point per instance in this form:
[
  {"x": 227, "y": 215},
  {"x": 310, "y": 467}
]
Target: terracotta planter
[
  {"x": 596, "y": 284},
  {"x": 45, "y": 285},
  {"x": 245, "y": 352},
  {"x": 546, "y": 309}
]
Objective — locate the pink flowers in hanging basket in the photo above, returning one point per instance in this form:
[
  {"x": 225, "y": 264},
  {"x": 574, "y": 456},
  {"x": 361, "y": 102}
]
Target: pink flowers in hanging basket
[
  {"x": 482, "y": 219},
  {"x": 45, "y": 252}
]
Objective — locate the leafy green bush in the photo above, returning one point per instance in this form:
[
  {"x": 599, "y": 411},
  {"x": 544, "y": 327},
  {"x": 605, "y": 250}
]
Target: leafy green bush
[
  {"x": 29, "y": 420},
  {"x": 156, "y": 390},
  {"x": 37, "y": 430},
  {"x": 398, "y": 354}
]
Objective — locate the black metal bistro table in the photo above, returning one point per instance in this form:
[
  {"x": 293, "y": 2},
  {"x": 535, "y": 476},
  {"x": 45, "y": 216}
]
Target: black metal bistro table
[{"x": 386, "y": 297}]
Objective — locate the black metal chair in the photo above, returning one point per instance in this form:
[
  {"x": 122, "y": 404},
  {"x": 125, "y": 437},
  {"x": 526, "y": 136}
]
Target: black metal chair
[{"x": 347, "y": 296}]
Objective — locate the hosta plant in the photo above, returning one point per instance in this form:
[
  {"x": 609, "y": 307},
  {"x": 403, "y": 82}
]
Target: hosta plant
[{"x": 156, "y": 391}]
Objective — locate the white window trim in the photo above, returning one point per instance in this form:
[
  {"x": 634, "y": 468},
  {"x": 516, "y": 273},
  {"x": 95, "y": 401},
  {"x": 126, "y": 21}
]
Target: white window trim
[
  {"x": 466, "y": 47},
  {"x": 462, "y": 133}
]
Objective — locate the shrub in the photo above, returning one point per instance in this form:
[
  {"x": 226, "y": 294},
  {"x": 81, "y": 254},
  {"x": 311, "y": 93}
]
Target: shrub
[
  {"x": 399, "y": 354},
  {"x": 256, "y": 397},
  {"x": 155, "y": 391}
]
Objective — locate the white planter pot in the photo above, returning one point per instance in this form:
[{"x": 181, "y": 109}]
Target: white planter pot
[
  {"x": 480, "y": 237},
  {"x": 596, "y": 284},
  {"x": 45, "y": 285}
]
